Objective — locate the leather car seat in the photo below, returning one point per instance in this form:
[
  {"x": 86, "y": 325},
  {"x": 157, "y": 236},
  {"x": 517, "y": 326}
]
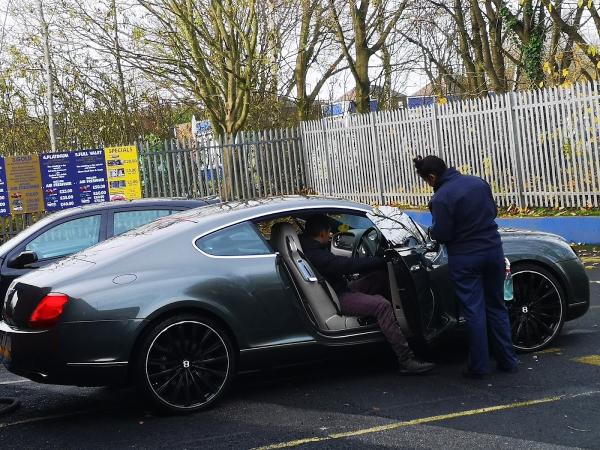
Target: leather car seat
[{"x": 318, "y": 294}]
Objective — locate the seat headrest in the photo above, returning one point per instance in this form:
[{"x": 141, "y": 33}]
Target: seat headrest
[{"x": 284, "y": 236}]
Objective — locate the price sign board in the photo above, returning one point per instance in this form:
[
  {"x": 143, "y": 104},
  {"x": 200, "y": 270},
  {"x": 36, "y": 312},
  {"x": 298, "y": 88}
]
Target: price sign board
[
  {"x": 24, "y": 182},
  {"x": 123, "y": 172}
]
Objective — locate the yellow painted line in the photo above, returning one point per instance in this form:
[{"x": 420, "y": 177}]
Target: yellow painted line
[
  {"x": 549, "y": 350},
  {"x": 594, "y": 360},
  {"x": 396, "y": 425}
]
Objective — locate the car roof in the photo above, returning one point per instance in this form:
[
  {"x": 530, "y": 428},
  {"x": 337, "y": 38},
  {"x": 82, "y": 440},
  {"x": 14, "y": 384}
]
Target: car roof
[
  {"x": 147, "y": 203},
  {"x": 216, "y": 216}
]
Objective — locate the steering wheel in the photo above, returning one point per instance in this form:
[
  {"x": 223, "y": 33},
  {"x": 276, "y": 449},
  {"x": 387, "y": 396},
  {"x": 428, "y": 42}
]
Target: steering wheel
[{"x": 368, "y": 244}]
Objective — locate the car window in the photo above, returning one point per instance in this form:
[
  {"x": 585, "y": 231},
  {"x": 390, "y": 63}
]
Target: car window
[
  {"x": 344, "y": 222},
  {"x": 128, "y": 220},
  {"x": 67, "y": 238},
  {"x": 238, "y": 240}
]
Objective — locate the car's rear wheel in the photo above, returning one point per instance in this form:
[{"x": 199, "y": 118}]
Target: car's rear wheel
[
  {"x": 537, "y": 312},
  {"x": 185, "y": 364}
]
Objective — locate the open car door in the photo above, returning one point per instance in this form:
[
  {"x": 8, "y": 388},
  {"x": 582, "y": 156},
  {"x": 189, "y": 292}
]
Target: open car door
[{"x": 423, "y": 309}]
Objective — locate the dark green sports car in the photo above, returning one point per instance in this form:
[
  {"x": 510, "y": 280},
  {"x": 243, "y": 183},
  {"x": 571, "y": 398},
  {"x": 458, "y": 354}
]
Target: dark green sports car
[{"x": 179, "y": 306}]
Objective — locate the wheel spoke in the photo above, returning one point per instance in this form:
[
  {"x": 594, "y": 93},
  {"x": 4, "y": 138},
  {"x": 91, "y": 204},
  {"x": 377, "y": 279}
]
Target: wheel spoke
[
  {"x": 541, "y": 324},
  {"x": 187, "y": 393},
  {"x": 162, "y": 362},
  {"x": 163, "y": 372},
  {"x": 212, "y": 360},
  {"x": 212, "y": 348},
  {"x": 219, "y": 373},
  {"x": 166, "y": 383}
]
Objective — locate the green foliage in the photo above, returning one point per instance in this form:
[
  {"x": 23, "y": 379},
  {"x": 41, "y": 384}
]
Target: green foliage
[
  {"x": 533, "y": 58},
  {"x": 533, "y": 48}
]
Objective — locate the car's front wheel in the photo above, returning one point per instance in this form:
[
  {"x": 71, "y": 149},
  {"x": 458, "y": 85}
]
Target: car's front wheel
[
  {"x": 537, "y": 312},
  {"x": 185, "y": 364}
]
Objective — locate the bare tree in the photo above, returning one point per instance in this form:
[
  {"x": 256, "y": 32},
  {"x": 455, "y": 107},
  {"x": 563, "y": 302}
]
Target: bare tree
[
  {"x": 362, "y": 30},
  {"x": 561, "y": 17},
  {"x": 207, "y": 47},
  {"x": 49, "y": 76},
  {"x": 313, "y": 39}
]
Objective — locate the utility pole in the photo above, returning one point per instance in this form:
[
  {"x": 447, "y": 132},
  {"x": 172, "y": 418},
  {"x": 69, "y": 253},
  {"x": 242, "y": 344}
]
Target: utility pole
[{"x": 49, "y": 80}]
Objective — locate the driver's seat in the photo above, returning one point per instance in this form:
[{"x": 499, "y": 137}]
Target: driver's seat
[{"x": 316, "y": 292}]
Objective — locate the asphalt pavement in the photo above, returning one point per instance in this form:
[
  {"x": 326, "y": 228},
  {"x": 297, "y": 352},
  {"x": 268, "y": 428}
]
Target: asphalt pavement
[{"x": 354, "y": 402}]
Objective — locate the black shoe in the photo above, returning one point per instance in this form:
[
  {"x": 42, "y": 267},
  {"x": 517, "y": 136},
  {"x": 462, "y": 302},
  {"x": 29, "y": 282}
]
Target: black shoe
[
  {"x": 467, "y": 373},
  {"x": 413, "y": 366}
]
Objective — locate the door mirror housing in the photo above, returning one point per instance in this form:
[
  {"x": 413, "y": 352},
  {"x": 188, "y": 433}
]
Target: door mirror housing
[{"x": 23, "y": 259}]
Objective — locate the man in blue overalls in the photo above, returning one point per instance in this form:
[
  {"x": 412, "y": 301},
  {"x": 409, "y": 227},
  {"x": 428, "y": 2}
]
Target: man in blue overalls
[{"x": 464, "y": 214}]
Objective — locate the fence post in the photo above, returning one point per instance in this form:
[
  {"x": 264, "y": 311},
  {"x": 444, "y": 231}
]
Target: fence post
[
  {"x": 378, "y": 172},
  {"x": 327, "y": 164},
  {"x": 516, "y": 148},
  {"x": 437, "y": 132}
]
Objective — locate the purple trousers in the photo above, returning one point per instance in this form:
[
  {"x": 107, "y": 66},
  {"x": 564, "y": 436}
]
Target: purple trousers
[{"x": 366, "y": 299}]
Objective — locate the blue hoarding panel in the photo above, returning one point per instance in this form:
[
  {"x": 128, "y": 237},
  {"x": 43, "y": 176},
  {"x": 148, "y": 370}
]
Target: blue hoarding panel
[
  {"x": 4, "y": 206},
  {"x": 73, "y": 178},
  {"x": 58, "y": 183},
  {"x": 90, "y": 167}
]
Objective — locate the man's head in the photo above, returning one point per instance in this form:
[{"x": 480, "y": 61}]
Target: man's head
[
  {"x": 430, "y": 169},
  {"x": 318, "y": 228}
]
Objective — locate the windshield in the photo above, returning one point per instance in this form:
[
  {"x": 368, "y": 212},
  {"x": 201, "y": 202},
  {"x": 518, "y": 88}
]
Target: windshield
[{"x": 397, "y": 227}]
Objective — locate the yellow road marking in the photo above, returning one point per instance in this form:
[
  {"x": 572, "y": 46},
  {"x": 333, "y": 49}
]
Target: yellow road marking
[
  {"x": 396, "y": 425},
  {"x": 594, "y": 360},
  {"x": 549, "y": 350}
]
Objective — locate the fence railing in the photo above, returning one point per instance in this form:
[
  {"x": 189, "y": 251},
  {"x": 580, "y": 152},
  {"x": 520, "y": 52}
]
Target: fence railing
[
  {"x": 538, "y": 148},
  {"x": 256, "y": 164}
]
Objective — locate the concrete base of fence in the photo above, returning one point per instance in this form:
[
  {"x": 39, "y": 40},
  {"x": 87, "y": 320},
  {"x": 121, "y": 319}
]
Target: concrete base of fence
[{"x": 584, "y": 230}]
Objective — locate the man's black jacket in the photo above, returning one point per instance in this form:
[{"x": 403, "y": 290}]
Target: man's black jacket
[
  {"x": 333, "y": 267},
  {"x": 464, "y": 214}
]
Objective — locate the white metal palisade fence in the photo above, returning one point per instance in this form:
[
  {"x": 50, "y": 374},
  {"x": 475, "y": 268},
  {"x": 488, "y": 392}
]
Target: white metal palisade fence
[
  {"x": 261, "y": 164},
  {"x": 535, "y": 148}
]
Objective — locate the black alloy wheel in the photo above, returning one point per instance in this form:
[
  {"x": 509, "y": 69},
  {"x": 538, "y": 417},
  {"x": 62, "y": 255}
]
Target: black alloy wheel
[
  {"x": 537, "y": 312},
  {"x": 186, "y": 364}
]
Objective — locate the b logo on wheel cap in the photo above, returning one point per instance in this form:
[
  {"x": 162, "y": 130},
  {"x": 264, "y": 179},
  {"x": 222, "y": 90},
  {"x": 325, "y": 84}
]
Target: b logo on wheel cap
[
  {"x": 525, "y": 309},
  {"x": 186, "y": 364}
]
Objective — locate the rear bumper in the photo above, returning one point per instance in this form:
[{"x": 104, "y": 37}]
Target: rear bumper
[{"x": 79, "y": 354}]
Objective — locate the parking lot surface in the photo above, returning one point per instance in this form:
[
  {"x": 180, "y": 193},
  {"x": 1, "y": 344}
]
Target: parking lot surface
[{"x": 356, "y": 401}]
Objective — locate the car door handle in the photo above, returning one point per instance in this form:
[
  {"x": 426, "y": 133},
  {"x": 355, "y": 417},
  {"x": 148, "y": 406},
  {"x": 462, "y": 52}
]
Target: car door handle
[{"x": 415, "y": 268}]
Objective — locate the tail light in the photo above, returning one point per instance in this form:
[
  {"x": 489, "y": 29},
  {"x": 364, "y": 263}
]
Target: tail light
[{"x": 48, "y": 311}]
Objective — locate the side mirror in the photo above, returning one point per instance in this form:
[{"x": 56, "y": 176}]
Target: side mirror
[
  {"x": 24, "y": 259},
  {"x": 432, "y": 247}
]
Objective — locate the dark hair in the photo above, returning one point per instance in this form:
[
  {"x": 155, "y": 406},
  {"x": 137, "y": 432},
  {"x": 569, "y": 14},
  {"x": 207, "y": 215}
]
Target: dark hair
[
  {"x": 430, "y": 165},
  {"x": 315, "y": 224}
]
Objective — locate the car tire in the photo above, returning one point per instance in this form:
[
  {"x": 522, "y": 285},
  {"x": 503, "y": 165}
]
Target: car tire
[
  {"x": 537, "y": 311},
  {"x": 184, "y": 364}
]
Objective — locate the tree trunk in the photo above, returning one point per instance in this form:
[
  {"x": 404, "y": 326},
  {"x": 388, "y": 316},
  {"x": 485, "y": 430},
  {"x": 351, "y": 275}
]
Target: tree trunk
[
  {"x": 121, "y": 79},
  {"x": 361, "y": 48},
  {"x": 49, "y": 79}
]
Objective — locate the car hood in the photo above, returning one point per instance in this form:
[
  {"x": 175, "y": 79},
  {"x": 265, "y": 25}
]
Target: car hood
[
  {"x": 536, "y": 244},
  {"x": 517, "y": 233}
]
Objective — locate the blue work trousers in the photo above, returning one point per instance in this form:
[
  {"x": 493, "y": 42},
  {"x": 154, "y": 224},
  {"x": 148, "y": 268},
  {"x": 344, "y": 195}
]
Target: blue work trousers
[{"x": 479, "y": 284}]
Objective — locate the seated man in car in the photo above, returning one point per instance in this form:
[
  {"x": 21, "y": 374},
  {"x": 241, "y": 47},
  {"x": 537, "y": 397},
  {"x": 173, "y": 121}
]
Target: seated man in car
[{"x": 356, "y": 298}]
